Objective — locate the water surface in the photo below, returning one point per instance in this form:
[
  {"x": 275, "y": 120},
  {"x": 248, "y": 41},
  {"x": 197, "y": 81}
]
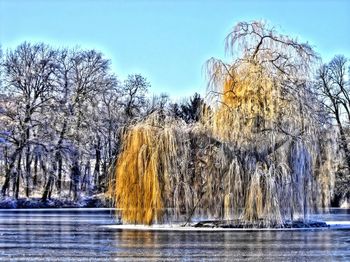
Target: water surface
[{"x": 80, "y": 235}]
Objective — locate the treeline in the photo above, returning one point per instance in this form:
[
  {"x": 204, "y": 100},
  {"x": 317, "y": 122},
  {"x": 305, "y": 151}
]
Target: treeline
[{"x": 62, "y": 113}]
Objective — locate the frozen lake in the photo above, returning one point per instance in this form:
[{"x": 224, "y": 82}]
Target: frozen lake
[{"x": 80, "y": 235}]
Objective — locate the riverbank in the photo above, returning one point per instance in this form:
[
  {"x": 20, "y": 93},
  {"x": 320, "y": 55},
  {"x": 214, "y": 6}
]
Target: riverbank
[{"x": 86, "y": 202}]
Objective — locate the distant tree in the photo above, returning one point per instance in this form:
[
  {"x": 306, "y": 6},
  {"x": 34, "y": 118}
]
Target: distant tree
[
  {"x": 175, "y": 110},
  {"x": 158, "y": 103},
  {"x": 191, "y": 110},
  {"x": 83, "y": 76},
  {"x": 333, "y": 88},
  {"x": 134, "y": 90},
  {"x": 29, "y": 81}
]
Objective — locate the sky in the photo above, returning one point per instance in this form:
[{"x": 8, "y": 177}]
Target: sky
[{"x": 167, "y": 41}]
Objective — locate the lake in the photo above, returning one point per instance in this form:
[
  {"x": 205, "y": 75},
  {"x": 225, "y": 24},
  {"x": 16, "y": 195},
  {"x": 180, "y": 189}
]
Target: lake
[{"x": 80, "y": 235}]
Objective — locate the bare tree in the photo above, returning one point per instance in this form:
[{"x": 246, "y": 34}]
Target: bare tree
[
  {"x": 334, "y": 94},
  {"x": 134, "y": 89},
  {"x": 29, "y": 80},
  {"x": 334, "y": 91},
  {"x": 83, "y": 75}
]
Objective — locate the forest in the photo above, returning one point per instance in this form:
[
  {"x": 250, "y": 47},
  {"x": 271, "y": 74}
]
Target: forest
[{"x": 71, "y": 129}]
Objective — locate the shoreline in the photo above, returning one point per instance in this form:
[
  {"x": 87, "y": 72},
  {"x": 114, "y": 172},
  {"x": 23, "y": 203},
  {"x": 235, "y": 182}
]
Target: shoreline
[
  {"x": 331, "y": 225},
  {"x": 38, "y": 203}
]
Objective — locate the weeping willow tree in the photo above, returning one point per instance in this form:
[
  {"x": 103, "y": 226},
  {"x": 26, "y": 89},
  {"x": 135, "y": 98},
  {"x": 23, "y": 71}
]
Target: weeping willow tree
[
  {"x": 267, "y": 111},
  {"x": 150, "y": 169},
  {"x": 261, "y": 156}
]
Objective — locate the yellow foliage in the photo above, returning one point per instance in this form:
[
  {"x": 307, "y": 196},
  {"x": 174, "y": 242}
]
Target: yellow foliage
[
  {"x": 143, "y": 170},
  {"x": 137, "y": 186}
]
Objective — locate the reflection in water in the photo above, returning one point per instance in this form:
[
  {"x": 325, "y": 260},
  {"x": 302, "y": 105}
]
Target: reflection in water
[{"x": 66, "y": 235}]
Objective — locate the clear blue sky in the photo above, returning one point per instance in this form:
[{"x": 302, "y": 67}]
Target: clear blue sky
[{"x": 168, "y": 41}]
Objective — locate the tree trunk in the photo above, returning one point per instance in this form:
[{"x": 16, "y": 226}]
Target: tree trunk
[
  {"x": 47, "y": 190},
  {"x": 97, "y": 162},
  {"x": 8, "y": 167},
  {"x": 75, "y": 177},
  {"x": 344, "y": 143},
  {"x": 17, "y": 177},
  {"x": 85, "y": 184},
  {"x": 59, "y": 172},
  {"x": 50, "y": 181},
  {"x": 28, "y": 171},
  {"x": 35, "y": 176}
]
